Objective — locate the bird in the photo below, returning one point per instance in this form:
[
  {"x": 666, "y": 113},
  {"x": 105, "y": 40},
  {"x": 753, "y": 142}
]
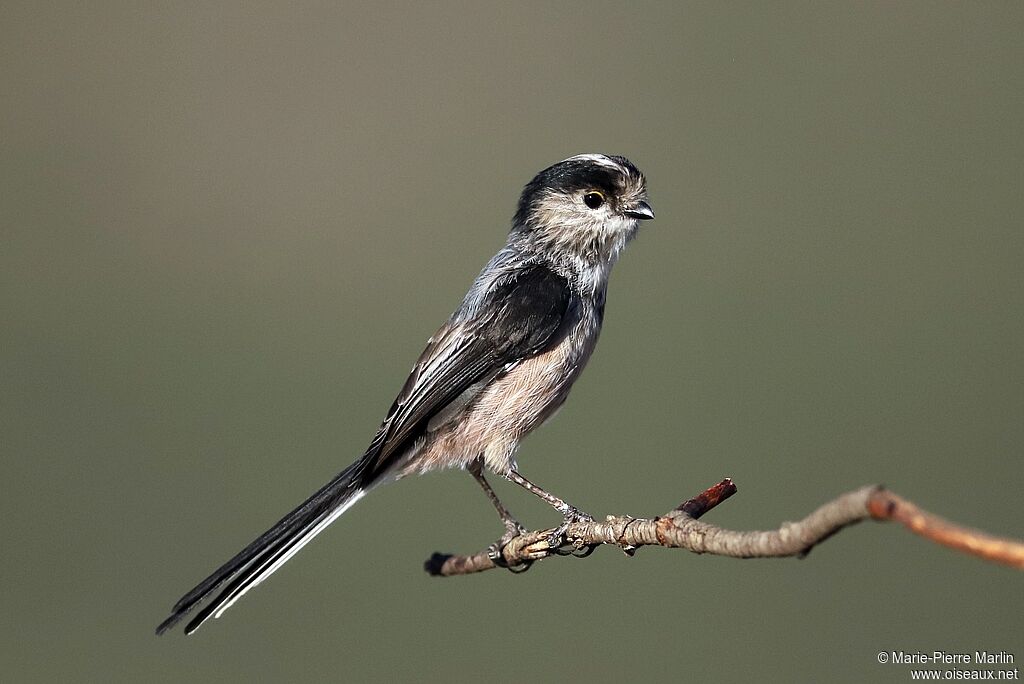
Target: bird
[{"x": 499, "y": 367}]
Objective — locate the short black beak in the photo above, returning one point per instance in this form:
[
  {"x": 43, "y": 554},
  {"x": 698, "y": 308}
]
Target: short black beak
[{"x": 642, "y": 210}]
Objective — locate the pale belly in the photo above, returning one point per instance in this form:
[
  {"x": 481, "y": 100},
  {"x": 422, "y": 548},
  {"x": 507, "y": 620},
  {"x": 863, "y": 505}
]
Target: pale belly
[{"x": 505, "y": 411}]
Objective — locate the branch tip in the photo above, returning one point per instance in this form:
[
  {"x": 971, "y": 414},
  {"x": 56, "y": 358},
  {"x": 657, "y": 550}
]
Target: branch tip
[
  {"x": 708, "y": 499},
  {"x": 435, "y": 563}
]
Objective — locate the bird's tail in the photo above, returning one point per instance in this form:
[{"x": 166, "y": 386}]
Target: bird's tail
[{"x": 273, "y": 548}]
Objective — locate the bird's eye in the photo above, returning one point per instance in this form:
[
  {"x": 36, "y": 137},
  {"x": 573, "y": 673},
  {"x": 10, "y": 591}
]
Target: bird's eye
[{"x": 593, "y": 199}]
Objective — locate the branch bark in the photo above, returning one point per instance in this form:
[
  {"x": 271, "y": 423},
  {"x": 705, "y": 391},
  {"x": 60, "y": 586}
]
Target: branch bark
[{"x": 681, "y": 528}]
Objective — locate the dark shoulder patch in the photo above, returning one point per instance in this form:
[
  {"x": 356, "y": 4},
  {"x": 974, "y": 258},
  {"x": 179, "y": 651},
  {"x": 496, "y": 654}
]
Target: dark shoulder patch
[
  {"x": 527, "y": 310},
  {"x": 599, "y": 301}
]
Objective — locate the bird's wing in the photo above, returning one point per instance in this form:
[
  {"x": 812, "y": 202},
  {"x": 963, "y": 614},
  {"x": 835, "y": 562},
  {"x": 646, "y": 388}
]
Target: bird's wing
[{"x": 519, "y": 317}]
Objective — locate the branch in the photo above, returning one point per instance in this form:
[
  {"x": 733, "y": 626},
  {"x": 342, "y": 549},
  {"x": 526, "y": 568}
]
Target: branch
[{"x": 681, "y": 528}]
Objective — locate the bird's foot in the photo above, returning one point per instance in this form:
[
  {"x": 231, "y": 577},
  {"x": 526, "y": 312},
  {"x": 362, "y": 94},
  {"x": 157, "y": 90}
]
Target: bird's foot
[
  {"x": 570, "y": 515},
  {"x": 513, "y": 529}
]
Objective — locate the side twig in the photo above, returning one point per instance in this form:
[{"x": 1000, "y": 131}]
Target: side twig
[{"x": 681, "y": 528}]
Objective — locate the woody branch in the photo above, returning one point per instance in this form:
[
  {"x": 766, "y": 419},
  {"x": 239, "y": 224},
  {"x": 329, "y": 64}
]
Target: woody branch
[{"x": 681, "y": 528}]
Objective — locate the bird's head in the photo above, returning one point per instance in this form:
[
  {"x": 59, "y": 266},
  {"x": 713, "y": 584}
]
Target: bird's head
[{"x": 584, "y": 209}]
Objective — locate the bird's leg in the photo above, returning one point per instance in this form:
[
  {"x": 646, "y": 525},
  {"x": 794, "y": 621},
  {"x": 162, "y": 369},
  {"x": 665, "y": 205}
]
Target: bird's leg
[
  {"x": 512, "y": 527},
  {"x": 570, "y": 514}
]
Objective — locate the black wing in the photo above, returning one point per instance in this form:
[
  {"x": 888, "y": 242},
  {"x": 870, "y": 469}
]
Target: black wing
[{"x": 520, "y": 317}]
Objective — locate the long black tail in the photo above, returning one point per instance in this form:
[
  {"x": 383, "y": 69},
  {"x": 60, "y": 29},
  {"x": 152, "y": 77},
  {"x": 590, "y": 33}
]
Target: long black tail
[{"x": 258, "y": 560}]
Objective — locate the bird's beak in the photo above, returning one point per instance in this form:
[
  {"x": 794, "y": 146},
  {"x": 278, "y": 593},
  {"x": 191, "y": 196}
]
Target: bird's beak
[{"x": 641, "y": 210}]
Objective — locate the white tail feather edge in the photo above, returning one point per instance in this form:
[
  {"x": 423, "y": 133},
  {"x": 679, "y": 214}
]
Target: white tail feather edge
[{"x": 305, "y": 539}]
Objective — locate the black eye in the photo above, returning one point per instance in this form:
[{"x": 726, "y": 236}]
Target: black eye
[{"x": 593, "y": 199}]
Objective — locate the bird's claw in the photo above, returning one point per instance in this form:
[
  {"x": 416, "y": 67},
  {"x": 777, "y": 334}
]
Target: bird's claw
[
  {"x": 570, "y": 515},
  {"x": 494, "y": 552},
  {"x": 512, "y": 530}
]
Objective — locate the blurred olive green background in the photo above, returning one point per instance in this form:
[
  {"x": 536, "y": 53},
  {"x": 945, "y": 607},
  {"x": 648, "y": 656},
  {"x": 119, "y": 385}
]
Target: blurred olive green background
[{"x": 227, "y": 231}]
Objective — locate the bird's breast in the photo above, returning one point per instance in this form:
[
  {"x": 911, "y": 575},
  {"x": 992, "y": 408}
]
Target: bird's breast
[{"x": 515, "y": 402}]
